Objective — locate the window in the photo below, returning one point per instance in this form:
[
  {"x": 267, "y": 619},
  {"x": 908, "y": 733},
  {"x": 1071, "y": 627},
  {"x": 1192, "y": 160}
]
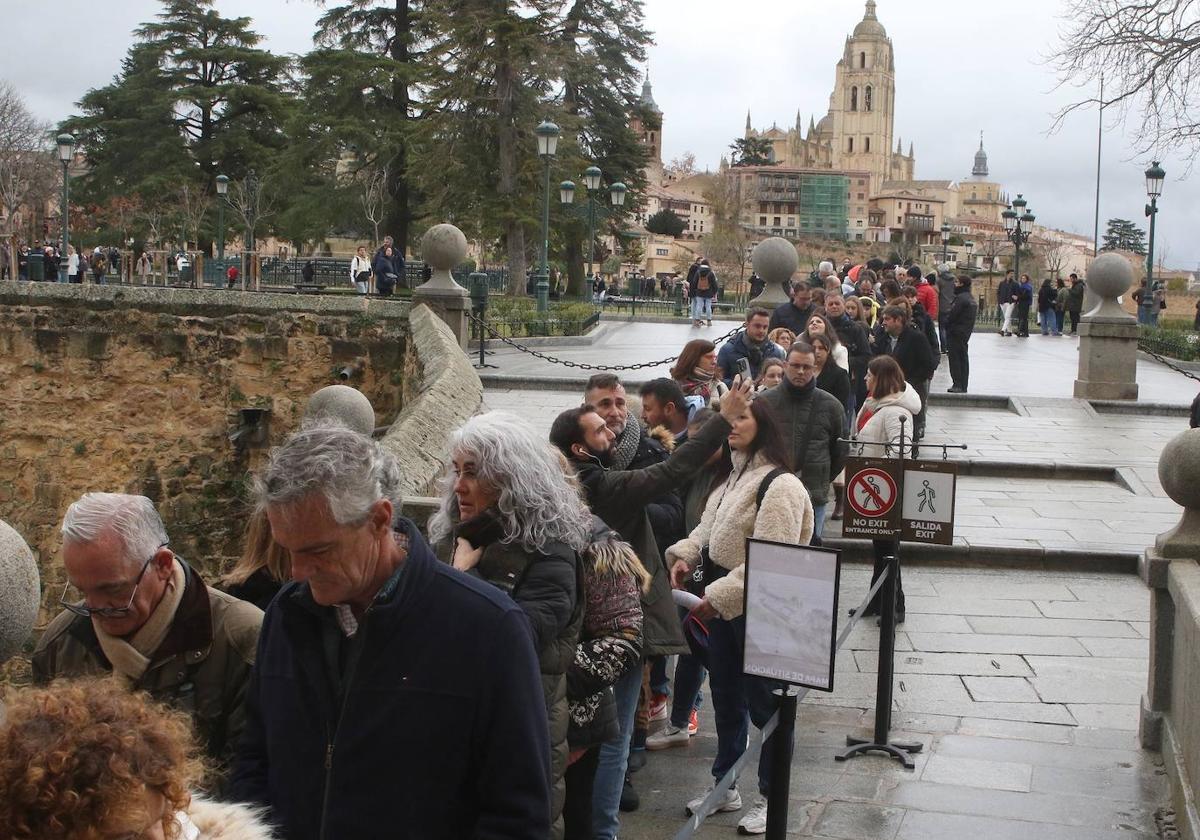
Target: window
[
  {"x": 861, "y": 196},
  {"x": 854, "y": 99},
  {"x": 858, "y": 223},
  {"x": 867, "y": 140},
  {"x": 858, "y": 237},
  {"x": 792, "y": 221},
  {"x": 867, "y": 98},
  {"x": 776, "y": 221},
  {"x": 862, "y": 59},
  {"x": 762, "y": 220},
  {"x": 850, "y": 145}
]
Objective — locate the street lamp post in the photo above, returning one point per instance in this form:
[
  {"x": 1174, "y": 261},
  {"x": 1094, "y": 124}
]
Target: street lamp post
[
  {"x": 547, "y": 140},
  {"x": 591, "y": 180},
  {"x": 222, "y": 191},
  {"x": 566, "y": 194},
  {"x": 1018, "y": 224},
  {"x": 1154, "y": 184},
  {"x": 66, "y": 150},
  {"x": 945, "y": 240}
]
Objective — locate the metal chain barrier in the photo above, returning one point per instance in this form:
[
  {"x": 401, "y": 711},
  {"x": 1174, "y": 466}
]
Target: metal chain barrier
[
  {"x": 584, "y": 365},
  {"x": 1168, "y": 363}
]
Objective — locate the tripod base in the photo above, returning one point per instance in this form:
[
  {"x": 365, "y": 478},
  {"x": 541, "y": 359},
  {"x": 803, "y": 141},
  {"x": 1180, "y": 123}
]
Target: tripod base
[
  {"x": 901, "y": 752},
  {"x": 483, "y": 365}
]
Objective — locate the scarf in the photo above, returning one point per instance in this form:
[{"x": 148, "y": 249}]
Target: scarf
[
  {"x": 131, "y": 657},
  {"x": 799, "y": 391},
  {"x": 626, "y": 446},
  {"x": 699, "y": 384}
]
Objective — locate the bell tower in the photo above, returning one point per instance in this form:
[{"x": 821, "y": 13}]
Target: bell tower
[{"x": 863, "y": 104}]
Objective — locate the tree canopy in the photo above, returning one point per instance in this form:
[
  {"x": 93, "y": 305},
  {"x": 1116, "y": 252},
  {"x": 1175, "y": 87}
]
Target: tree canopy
[
  {"x": 666, "y": 222},
  {"x": 1124, "y": 235},
  {"x": 752, "y": 151}
]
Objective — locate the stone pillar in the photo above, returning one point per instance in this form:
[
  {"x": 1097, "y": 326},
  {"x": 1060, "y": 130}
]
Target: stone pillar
[
  {"x": 775, "y": 261},
  {"x": 1170, "y": 719},
  {"x": 20, "y": 592},
  {"x": 1108, "y": 335},
  {"x": 443, "y": 247}
]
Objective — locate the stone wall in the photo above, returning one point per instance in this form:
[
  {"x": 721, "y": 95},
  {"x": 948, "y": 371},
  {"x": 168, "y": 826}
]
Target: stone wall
[{"x": 139, "y": 390}]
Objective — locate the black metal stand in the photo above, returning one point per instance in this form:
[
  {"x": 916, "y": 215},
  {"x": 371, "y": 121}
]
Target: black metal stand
[
  {"x": 781, "y": 764},
  {"x": 886, "y": 679},
  {"x": 483, "y": 352}
]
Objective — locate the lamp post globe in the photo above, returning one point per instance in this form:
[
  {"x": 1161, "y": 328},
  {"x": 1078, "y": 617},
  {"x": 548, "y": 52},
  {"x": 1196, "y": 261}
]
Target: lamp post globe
[
  {"x": 66, "y": 151},
  {"x": 547, "y": 144},
  {"x": 222, "y": 191},
  {"x": 591, "y": 180},
  {"x": 566, "y": 192},
  {"x": 945, "y": 240},
  {"x": 1148, "y": 306},
  {"x": 617, "y": 193},
  {"x": 591, "y": 177}
]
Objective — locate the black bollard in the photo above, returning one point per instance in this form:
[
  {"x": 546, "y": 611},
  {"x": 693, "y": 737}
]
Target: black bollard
[{"x": 781, "y": 765}]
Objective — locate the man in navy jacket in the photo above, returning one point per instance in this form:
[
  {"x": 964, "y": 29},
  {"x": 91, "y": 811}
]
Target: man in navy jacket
[{"x": 392, "y": 696}]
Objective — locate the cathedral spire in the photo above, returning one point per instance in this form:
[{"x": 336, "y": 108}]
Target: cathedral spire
[
  {"x": 899, "y": 147},
  {"x": 910, "y": 148},
  {"x": 799, "y": 122},
  {"x": 747, "y": 119},
  {"x": 980, "y": 170}
]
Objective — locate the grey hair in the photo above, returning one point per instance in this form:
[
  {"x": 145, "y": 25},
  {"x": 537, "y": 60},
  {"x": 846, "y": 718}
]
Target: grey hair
[
  {"x": 537, "y": 502},
  {"x": 349, "y": 470},
  {"x": 826, "y": 267},
  {"x": 132, "y": 518}
]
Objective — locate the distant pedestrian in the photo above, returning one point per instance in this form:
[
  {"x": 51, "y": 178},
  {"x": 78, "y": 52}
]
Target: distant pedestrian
[
  {"x": 1196, "y": 320},
  {"x": 144, "y": 268},
  {"x": 232, "y": 275},
  {"x": 702, "y": 291},
  {"x": 757, "y": 286},
  {"x": 599, "y": 290},
  {"x": 960, "y": 323},
  {"x": 1060, "y": 304},
  {"x": 927, "y": 292},
  {"x": 946, "y": 289},
  {"x": 896, "y": 336},
  {"x": 360, "y": 271},
  {"x": 72, "y": 265},
  {"x": 1024, "y": 303},
  {"x": 1006, "y": 298},
  {"x": 1075, "y": 302},
  {"x": 1047, "y": 295}
]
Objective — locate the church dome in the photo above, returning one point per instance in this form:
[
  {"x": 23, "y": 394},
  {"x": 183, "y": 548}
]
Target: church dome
[
  {"x": 869, "y": 26},
  {"x": 825, "y": 124}
]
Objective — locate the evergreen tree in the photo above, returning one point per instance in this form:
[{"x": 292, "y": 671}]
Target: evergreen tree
[
  {"x": 667, "y": 223},
  {"x": 751, "y": 151},
  {"x": 1124, "y": 235}
]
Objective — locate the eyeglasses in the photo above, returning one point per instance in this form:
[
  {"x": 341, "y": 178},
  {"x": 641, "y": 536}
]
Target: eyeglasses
[
  {"x": 802, "y": 368},
  {"x": 81, "y": 609}
]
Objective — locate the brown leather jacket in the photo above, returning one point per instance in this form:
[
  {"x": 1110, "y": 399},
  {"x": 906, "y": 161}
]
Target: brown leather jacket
[{"x": 201, "y": 668}]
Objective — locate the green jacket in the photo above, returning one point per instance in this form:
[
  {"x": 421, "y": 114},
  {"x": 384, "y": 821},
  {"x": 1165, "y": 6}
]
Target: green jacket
[
  {"x": 825, "y": 456},
  {"x": 201, "y": 667}
]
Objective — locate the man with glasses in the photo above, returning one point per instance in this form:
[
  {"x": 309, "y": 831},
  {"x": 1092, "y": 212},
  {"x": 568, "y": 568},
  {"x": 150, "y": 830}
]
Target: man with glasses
[
  {"x": 133, "y": 608},
  {"x": 813, "y": 422}
]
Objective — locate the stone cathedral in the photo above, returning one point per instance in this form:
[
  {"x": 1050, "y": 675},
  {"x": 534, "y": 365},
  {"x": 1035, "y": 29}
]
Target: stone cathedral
[{"x": 857, "y": 133}]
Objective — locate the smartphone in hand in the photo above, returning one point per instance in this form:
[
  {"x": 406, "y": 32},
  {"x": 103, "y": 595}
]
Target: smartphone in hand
[{"x": 743, "y": 367}]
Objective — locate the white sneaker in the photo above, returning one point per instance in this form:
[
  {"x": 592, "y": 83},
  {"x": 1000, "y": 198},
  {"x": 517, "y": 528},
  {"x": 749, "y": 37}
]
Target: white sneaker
[
  {"x": 668, "y": 736},
  {"x": 755, "y": 822},
  {"x": 731, "y": 801}
]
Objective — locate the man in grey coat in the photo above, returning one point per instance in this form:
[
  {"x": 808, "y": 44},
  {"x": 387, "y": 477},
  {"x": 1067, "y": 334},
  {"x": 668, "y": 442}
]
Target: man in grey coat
[{"x": 814, "y": 423}]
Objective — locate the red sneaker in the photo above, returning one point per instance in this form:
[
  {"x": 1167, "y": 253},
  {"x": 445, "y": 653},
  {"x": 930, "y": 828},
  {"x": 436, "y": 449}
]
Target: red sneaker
[
  {"x": 659, "y": 707},
  {"x": 693, "y": 723}
]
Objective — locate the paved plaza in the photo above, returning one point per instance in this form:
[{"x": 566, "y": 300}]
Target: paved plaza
[{"x": 1023, "y": 683}]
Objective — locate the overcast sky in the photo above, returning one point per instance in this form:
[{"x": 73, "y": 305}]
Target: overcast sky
[{"x": 962, "y": 66}]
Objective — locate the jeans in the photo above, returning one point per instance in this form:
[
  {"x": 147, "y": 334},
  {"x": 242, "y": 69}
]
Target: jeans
[
  {"x": 941, "y": 328},
  {"x": 1059, "y": 317},
  {"x": 1007, "y": 310},
  {"x": 1049, "y": 323},
  {"x": 819, "y": 519},
  {"x": 614, "y": 758},
  {"x": 659, "y": 684},
  {"x": 738, "y": 700},
  {"x": 689, "y": 676},
  {"x": 701, "y": 308}
]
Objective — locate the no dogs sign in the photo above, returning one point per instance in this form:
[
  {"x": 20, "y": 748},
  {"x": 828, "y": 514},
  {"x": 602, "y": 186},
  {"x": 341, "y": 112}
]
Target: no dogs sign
[{"x": 872, "y": 498}]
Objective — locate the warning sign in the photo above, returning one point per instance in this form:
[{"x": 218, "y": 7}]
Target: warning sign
[
  {"x": 927, "y": 510},
  {"x": 872, "y": 498}
]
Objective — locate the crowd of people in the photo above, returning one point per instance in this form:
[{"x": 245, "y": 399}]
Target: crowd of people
[{"x": 96, "y": 264}]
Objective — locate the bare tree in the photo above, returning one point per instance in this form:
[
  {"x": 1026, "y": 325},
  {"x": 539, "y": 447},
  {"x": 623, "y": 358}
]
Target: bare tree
[
  {"x": 730, "y": 196},
  {"x": 1055, "y": 253},
  {"x": 682, "y": 167},
  {"x": 990, "y": 246},
  {"x": 1147, "y": 52},
  {"x": 27, "y": 167},
  {"x": 193, "y": 207},
  {"x": 252, "y": 202},
  {"x": 375, "y": 196}
]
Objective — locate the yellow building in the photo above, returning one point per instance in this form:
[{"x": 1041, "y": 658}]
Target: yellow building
[{"x": 906, "y": 213}]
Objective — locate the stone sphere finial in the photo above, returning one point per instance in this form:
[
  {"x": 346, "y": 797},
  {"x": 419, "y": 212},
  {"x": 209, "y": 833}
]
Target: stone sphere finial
[
  {"x": 443, "y": 247},
  {"x": 775, "y": 260},
  {"x": 344, "y": 404},
  {"x": 1179, "y": 474},
  {"x": 1109, "y": 277},
  {"x": 20, "y": 592}
]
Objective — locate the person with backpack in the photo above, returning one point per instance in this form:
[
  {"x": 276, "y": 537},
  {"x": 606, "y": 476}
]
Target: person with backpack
[
  {"x": 702, "y": 290},
  {"x": 385, "y": 272},
  {"x": 360, "y": 271},
  {"x": 99, "y": 265},
  {"x": 761, "y": 498}
]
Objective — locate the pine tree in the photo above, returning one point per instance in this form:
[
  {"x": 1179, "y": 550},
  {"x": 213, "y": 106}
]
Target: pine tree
[
  {"x": 751, "y": 151},
  {"x": 1124, "y": 235},
  {"x": 666, "y": 222}
]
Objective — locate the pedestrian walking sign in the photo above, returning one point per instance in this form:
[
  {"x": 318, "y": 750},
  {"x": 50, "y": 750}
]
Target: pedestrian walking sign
[
  {"x": 927, "y": 509},
  {"x": 872, "y": 498}
]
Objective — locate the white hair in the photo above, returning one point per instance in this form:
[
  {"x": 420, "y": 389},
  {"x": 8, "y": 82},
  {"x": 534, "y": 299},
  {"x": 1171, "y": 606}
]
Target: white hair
[
  {"x": 132, "y": 518},
  {"x": 826, "y": 267},
  {"x": 538, "y": 504},
  {"x": 349, "y": 470}
]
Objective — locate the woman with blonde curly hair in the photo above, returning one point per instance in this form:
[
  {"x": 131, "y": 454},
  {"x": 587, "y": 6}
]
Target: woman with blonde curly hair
[{"x": 89, "y": 760}]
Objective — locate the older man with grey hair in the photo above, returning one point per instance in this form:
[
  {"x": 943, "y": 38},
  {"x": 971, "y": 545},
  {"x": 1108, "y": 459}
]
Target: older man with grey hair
[
  {"x": 135, "y": 609},
  {"x": 393, "y": 694}
]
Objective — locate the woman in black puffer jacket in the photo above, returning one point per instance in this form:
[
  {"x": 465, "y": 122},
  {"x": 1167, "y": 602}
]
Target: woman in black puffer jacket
[{"x": 510, "y": 515}]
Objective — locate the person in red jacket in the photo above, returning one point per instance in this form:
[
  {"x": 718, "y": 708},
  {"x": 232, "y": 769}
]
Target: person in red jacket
[{"x": 927, "y": 295}]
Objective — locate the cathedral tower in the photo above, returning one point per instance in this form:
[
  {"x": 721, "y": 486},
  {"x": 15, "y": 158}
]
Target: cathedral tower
[{"x": 863, "y": 105}]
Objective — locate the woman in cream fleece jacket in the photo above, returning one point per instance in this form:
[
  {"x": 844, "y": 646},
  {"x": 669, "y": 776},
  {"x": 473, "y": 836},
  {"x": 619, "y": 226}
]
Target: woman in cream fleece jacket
[{"x": 731, "y": 515}]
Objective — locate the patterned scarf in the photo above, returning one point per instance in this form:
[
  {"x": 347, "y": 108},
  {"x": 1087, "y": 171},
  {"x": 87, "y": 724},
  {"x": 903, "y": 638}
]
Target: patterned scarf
[
  {"x": 626, "y": 446},
  {"x": 699, "y": 384}
]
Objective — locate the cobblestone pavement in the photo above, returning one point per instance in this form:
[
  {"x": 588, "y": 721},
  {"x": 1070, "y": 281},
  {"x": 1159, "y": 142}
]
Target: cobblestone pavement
[{"x": 1038, "y": 366}]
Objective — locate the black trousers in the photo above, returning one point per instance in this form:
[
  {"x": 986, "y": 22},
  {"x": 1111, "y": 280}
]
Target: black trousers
[
  {"x": 960, "y": 363},
  {"x": 882, "y": 549},
  {"x": 577, "y": 808},
  {"x": 922, "y": 389},
  {"x": 1074, "y": 315},
  {"x": 1023, "y": 319}
]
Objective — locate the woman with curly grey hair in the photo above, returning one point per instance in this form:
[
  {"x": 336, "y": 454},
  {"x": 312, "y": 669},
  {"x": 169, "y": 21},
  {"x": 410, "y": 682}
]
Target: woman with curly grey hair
[{"x": 511, "y": 516}]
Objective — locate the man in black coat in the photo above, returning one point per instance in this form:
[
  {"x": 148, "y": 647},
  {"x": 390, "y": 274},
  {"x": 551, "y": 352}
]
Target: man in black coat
[
  {"x": 960, "y": 323},
  {"x": 854, "y": 337},
  {"x": 897, "y": 337},
  {"x": 794, "y": 314},
  {"x": 1075, "y": 302},
  {"x": 392, "y": 695}
]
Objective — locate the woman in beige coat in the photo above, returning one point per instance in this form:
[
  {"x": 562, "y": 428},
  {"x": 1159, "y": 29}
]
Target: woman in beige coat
[{"x": 718, "y": 546}]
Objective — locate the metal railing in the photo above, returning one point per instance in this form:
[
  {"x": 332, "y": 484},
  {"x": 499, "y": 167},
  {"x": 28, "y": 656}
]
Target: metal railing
[{"x": 1174, "y": 344}]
